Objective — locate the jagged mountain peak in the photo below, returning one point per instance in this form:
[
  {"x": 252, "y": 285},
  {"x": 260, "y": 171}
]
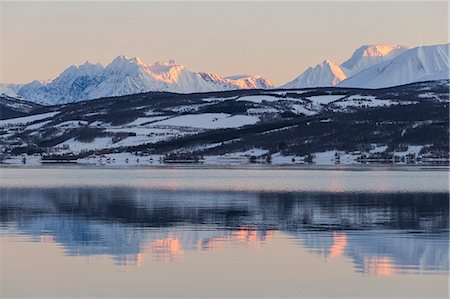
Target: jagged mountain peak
[
  {"x": 125, "y": 75},
  {"x": 89, "y": 63},
  {"x": 85, "y": 67},
  {"x": 329, "y": 73},
  {"x": 72, "y": 73},
  {"x": 417, "y": 64},
  {"x": 326, "y": 73},
  {"x": 379, "y": 49},
  {"x": 123, "y": 57},
  {"x": 166, "y": 69},
  {"x": 250, "y": 81},
  {"x": 122, "y": 61},
  {"x": 327, "y": 61},
  {"x": 333, "y": 67},
  {"x": 369, "y": 55}
]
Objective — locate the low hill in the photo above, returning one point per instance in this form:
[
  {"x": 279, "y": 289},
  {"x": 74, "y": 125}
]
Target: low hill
[{"x": 315, "y": 125}]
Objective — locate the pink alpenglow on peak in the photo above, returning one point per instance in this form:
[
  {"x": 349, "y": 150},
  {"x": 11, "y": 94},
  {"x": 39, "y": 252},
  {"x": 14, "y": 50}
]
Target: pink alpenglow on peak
[
  {"x": 369, "y": 55},
  {"x": 329, "y": 73},
  {"x": 370, "y": 66},
  {"x": 418, "y": 64},
  {"x": 381, "y": 50},
  {"x": 168, "y": 71},
  {"x": 125, "y": 76},
  {"x": 250, "y": 81}
]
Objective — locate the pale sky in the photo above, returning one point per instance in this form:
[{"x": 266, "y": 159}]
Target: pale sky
[{"x": 277, "y": 40}]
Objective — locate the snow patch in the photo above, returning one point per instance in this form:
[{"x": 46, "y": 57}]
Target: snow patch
[
  {"x": 364, "y": 101},
  {"x": 26, "y": 119},
  {"x": 37, "y": 125},
  {"x": 209, "y": 121},
  {"x": 300, "y": 109}
]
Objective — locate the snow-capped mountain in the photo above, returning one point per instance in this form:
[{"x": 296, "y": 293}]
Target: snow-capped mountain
[
  {"x": 71, "y": 85},
  {"x": 125, "y": 76},
  {"x": 417, "y": 64},
  {"x": 329, "y": 73},
  {"x": 369, "y": 55},
  {"x": 250, "y": 81},
  {"x": 324, "y": 74},
  {"x": 370, "y": 66},
  {"x": 128, "y": 76}
]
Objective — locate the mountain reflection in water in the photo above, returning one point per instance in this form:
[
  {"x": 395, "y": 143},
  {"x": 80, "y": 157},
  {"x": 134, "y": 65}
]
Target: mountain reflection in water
[{"x": 382, "y": 234}]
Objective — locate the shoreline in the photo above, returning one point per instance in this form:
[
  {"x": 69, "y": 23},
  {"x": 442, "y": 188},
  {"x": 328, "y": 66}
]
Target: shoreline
[{"x": 263, "y": 167}]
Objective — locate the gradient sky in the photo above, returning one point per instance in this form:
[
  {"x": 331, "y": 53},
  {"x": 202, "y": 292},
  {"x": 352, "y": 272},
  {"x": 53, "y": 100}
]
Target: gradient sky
[{"x": 278, "y": 40}]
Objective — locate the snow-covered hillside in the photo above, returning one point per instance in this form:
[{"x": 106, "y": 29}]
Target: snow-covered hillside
[
  {"x": 125, "y": 76},
  {"x": 377, "y": 66},
  {"x": 329, "y": 73},
  {"x": 418, "y": 64},
  {"x": 369, "y": 55},
  {"x": 324, "y": 74},
  {"x": 314, "y": 125}
]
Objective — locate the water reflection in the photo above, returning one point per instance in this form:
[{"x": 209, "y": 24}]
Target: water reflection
[{"x": 382, "y": 234}]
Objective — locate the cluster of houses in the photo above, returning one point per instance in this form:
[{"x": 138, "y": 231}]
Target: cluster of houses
[{"x": 51, "y": 155}]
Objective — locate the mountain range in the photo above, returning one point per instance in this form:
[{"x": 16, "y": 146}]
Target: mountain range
[
  {"x": 417, "y": 64},
  {"x": 328, "y": 73},
  {"x": 127, "y": 76},
  {"x": 379, "y": 66},
  {"x": 370, "y": 66}
]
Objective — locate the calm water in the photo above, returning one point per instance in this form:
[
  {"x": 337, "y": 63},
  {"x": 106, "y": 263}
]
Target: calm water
[{"x": 230, "y": 233}]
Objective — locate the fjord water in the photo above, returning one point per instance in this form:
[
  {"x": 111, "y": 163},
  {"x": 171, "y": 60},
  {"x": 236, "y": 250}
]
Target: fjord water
[{"x": 227, "y": 233}]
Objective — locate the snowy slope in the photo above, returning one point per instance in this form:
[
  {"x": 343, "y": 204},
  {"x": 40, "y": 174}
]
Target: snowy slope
[
  {"x": 179, "y": 79},
  {"x": 329, "y": 73},
  {"x": 250, "y": 81},
  {"x": 418, "y": 64},
  {"x": 71, "y": 85},
  {"x": 209, "y": 121},
  {"x": 128, "y": 76},
  {"x": 125, "y": 76},
  {"x": 369, "y": 55},
  {"x": 324, "y": 74},
  {"x": 185, "y": 81},
  {"x": 226, "y": 125},
  {"x": 26, "y": 119}
]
